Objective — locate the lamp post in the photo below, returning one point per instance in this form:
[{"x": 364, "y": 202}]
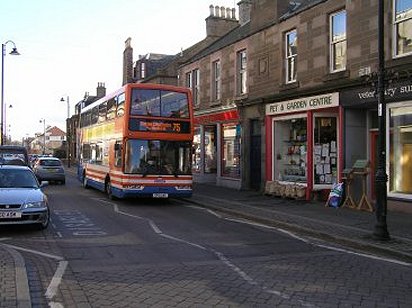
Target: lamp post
[
  {"x": 13, "y": 52},
  {"x": 67, "y": 130},
  {"x": 381, "y": 178},
  {"x": 44, "y": 135}
]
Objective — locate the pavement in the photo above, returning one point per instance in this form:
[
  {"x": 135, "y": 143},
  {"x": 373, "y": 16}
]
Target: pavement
[{"x": 344, "y": 227}]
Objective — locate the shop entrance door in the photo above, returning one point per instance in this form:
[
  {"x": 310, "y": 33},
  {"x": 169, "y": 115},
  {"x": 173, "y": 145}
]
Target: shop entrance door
[
  {"x": 374, "y": 136},
  {"x": 255, "y": 155}
]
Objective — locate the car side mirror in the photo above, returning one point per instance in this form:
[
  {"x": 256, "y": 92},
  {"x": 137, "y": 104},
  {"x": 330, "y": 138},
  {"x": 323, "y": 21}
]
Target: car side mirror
[{"x": 44, "y": 184}]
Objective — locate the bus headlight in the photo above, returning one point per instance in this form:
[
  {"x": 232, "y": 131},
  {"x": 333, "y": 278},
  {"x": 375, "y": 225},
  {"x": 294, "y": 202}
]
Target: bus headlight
[{"x": 184, "y": 187}]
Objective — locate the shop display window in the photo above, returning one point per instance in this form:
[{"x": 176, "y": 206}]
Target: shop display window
[
  {"x": 210, "y": 149},
  {"x": 196, "y": 152},
  {"x": 291, "y": 149},
  {"x": 231, "y": 150},
  {"x": 325, "y": 151},
  {"x": 400, "y": 142}
]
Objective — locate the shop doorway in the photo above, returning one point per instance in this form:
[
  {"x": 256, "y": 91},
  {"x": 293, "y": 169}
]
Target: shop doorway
[
  {"x": 374, "y": 138},
  {"x": 255, "y": 155}
]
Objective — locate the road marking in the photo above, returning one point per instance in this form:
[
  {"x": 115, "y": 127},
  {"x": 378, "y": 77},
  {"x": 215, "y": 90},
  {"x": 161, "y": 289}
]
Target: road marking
[
  {"x": 218, "y": 254},
  {"x": 47, "y": 255},
  {"x": 78, "y": 223},
  {"x": 291, "y": 234},
  {"x": 56, "y": 280}
]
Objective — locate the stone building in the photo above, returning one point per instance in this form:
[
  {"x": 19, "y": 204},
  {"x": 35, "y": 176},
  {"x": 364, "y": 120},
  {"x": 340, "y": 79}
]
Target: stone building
[{"x": 286, "y": 95}]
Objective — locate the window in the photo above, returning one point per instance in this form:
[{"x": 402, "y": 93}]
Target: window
[
  {"x": 403, "y": 27},
  {"x": 338, "y": 41},
  {"x": 157, "y": 157},
  {"x": 192, "y": 82},
  {"x": 158, "y": 103},
  {"x": 196, "y": 87},
  {"x": 142, "y": 70},
  {"x": 210, "y": 142},
  {"x": 120, "y": 105},
  {"x": 111, "y": 108},
  {"x": 325, "y": 159},
  {"x": 400, "y": 154},
  {"x": 196, "y": 150},
  {"x": 291, "y": 54},
  {"x": 102, "y": 112},
  {"x": 231, "y": 150},
  {"x": 291, "y": 150},
  {"x": 216, "y": 80},
  {"x": 242, "y": 72}
]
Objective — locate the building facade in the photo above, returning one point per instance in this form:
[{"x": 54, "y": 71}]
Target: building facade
[{"x": 288, "y": 95}]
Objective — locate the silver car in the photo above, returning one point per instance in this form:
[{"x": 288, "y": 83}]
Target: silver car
[
  {"x": 49, "y": 169},
  {"x": 21, "y": 199}
]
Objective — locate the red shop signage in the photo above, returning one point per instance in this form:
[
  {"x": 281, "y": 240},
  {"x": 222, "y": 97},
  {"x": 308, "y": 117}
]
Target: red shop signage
[{"x": 217, "y": 117}]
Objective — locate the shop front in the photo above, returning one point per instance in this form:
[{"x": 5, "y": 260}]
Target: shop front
[
  {"x": 398, "y": 98},
  {"x": 303, "y": 144},
  {"x": 216, "y": 154}
]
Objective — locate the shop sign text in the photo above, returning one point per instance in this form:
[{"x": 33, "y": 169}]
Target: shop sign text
[{"x": 304, "y": 104}]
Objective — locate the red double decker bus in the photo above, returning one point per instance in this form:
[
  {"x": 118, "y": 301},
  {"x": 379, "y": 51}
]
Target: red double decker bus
[{"x": 137, "y": 141}]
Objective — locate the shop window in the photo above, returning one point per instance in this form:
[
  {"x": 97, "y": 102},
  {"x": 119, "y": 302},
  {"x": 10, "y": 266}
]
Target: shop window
[
  {"x": 325, "y": 151},
  {"x": 290, "y": 150},
  {"x": 400, "y": 172},
  {"x": 231, "y": 150},
  {"x": 196, "y": 152},
  {"x": 210, "y": 149}
]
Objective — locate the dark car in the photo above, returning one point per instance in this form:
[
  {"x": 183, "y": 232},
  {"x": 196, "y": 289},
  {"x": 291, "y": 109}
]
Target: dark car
[
  {"x": 14, "y": 155},
  {"x": 49, "y": 169},
  {"x": 21, "y": 199}
]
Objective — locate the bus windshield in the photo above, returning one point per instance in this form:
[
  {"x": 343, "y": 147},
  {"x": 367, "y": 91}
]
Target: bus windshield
[
  {"x": 159, "y": 103},
  {"x": 148, "y": 157}
]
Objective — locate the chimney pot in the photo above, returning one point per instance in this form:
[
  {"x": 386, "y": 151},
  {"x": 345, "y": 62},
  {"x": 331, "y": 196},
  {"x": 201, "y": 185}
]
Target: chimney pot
[
  {"x": 211, "y": 8},
  {"x": 217, "y": 11},
  {"x": 222, "y": 12}
]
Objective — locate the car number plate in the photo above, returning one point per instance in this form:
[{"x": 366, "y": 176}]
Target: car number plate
[
  {"x": 10, "y": 214},
  {"x": 160, "y": 195}
]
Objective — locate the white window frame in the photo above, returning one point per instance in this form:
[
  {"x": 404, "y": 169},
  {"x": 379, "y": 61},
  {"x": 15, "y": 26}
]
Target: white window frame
[
  {"x": 142, "y": 70},
  {"x": 216, "y": 71},
  {"x": 337, "y": 41},
  {"x": 241, "y": 72},
  {"x": 395, "y": 51},
  {"x": 196, "y": 86},
  {"x": 290, "y": 57},
  {"x": 188, "y": 80}
]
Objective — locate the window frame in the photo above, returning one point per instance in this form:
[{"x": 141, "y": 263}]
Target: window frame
[
  {"x": 395, "y": 52},
  {"x": 290, "y": 58},
  {"x": 241, "y": 69},
  {"x": 216, "y": 78},
  {"x": 333, "y": 42}
]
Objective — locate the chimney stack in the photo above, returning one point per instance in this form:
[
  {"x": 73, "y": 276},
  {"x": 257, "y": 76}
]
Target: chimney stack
[
  {"x": 220, "y": 21},
  {"x": 101, "y": 90},
  {"x": 128, "y": 62},
  {"x": 244, "y": 11}
]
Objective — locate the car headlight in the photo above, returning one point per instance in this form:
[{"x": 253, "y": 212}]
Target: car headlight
[{"x": 30, "y": 205}]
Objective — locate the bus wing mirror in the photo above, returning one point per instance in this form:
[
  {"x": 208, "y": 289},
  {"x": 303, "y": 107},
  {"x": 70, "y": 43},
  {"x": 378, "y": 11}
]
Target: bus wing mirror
[{"x": 117, "y": 146}]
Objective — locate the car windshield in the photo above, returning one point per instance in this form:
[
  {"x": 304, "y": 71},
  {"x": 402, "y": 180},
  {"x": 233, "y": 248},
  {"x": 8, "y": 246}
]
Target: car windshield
[
  {"x": 50, "y": 162},
  {"x": 17, "y": 178}
]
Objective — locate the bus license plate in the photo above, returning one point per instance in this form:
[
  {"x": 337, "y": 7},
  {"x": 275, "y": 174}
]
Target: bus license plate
[
  {"x": 160, "y": 195},
  {"x": 10, "y": 214}
]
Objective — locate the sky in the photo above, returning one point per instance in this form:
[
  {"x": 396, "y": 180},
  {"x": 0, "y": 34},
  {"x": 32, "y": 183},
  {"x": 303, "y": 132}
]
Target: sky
[{"x": 68, "y": 46}]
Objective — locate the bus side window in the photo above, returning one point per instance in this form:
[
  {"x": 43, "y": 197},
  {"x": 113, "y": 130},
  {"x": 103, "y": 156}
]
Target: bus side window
[
  {"x": 117, "y": 154},
  {"x": 120, "y": 105},
  {"x": 111, "y": 108}
]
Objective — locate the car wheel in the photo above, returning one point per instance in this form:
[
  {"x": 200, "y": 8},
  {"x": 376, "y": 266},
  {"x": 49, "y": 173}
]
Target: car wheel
[
  {"x": 63, "y": 182},
  {"x": 43, "y": 225},
  {"x": 108, "y": 189}
]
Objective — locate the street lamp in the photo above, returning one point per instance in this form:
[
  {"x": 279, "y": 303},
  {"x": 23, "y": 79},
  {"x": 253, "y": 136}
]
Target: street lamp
[
  {"x": 44, "y": 135},
  {"x": 13, "y": 52},
  {"x": 67, "y": 130},
  {"x": 381, "y": 178}
]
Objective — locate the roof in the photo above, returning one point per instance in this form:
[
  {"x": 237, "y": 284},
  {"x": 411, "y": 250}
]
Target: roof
[{"x": 237, "y": 34}]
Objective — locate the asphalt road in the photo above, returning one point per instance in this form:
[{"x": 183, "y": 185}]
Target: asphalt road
[{"x": 167, "y": 253}]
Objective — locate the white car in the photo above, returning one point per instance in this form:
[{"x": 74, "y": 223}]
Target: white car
[{"x": 21, "y": 199}]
